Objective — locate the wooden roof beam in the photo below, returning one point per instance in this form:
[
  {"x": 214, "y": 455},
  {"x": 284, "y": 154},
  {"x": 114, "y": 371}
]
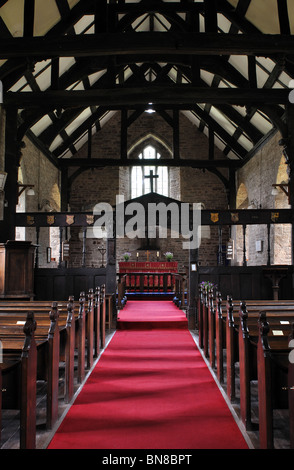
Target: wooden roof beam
[
  {"x": 182, "y": 95},
  {"x": 106, "y": 44}
]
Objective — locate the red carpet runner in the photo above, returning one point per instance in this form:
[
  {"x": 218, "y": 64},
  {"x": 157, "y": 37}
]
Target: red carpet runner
[{"x": 151, "y": 389}]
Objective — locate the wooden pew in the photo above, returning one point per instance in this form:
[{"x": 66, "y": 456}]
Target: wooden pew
[
  {"x": 236, "y": 330},
  {"x": 10, "y": 316},
  {"x": 87, "y": 328},
  {"x": 222, "y": 319},
  {"x": 47, "y": 341},
  {"x": 273, "y": 368},
  {"x": 24, "y": 369},
  {"x": 214, "y": 350},
  {"x": 86, "y": 340},
  {"x": 279, "y": 312},
  {"x": 248, "y": 339}
]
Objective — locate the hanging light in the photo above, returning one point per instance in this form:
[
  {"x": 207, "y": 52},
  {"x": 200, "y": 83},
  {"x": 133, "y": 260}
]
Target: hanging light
[
  {"x": 23, "y": 187},
  {"x": 150, "y": 109},
  {"x": 30, "y": 192},
  {"x": 275, "y": 192}
]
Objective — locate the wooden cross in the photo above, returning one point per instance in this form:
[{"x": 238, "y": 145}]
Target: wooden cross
[{"x": 152, "y": 177}]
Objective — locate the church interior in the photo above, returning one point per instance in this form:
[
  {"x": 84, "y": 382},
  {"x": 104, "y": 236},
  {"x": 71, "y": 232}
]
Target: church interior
[{"x": 146, "y": 168}]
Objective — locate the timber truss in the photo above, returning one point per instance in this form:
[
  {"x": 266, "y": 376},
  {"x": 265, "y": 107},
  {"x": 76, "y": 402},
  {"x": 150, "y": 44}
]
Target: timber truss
[{"x": 72, "y": 64}]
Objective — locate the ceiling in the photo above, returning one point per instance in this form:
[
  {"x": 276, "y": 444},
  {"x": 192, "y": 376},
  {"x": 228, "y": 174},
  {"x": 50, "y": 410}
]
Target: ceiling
[{"x": 237, "y": 130}]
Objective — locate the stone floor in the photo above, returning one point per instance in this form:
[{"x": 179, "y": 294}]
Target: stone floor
[{"x": 10, "y": 418}]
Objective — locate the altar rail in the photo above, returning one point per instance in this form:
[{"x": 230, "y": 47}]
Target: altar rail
[{"x": 152, "y": 283}]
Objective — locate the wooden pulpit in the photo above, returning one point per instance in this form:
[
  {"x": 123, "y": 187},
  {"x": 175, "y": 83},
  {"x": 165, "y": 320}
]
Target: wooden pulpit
[{"x": 17, "y": 269}]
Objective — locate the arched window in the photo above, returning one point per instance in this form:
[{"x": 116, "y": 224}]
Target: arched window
[{"x": 144, "y": 179}]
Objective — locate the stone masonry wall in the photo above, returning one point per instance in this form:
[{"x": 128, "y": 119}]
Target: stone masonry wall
[
  {"x": 267, "y": 167},
  {"x": 186, "y": 184}
]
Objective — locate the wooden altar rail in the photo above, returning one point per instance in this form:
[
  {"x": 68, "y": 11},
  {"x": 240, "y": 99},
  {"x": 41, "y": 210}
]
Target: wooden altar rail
[{"x": 151, "y": 282}]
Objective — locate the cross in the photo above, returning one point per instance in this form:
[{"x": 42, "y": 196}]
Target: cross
[{"x": 152, "y": 177}]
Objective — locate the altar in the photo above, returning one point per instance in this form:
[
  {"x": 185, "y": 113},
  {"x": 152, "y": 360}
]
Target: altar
[
  {"x": 148, "y": 266},
  {"x": 149, "y": 275}
]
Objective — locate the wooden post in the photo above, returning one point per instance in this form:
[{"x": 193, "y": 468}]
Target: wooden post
[
  {"x": 211, "y": 328},
  {"x": 90, "y": 328},
  {"x": 28, "y": 386},
  {"x": 245, "y": 399},
  {"x": 65, "y": 189},
  {"x": 192, "y": 288},
  {"x": 53, "y": 368},
  {"x": 268, "y": 244},
  {"x": 231, "y": 392},
  {"x": 264, "y": 387},
  {"x": 288, "y": 151},
  {"x": 205, "y": 323},
  {"x": 81, "y": 338},
  {"x": 69, "y": 351},
  {"x": 60, "y": 246},
  {"x": 102, "y": 315},
  {"x": 219, "y": 339},
  {"x": 12, "y": 157},
  {"x": 84, "y": 247},
  {"x": 97, "y": 322},
  {"x": 244, "y": 246}
]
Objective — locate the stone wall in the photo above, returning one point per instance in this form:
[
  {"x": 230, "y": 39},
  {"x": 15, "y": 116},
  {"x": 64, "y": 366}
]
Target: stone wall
[
  {"x": 36, "y": 169},
  {"x": 256, "y": 178},
  {"x": 186, "y": 184}
]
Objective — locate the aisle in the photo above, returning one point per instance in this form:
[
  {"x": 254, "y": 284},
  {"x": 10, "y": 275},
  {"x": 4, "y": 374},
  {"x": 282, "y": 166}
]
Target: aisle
[{"x": 151, "y": 389}]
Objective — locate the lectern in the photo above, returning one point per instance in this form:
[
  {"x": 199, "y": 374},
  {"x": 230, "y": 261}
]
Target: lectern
[{"x": 17, "y": 269}]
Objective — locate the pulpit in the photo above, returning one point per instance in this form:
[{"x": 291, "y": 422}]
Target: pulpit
[{"x": 17, "y": 269}]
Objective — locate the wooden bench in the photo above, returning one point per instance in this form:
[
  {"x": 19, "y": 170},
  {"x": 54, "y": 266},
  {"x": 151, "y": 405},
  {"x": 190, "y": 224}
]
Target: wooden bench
[
  {"x": 275, "y": 312},
  {"x": 214, "y": 322},
  {"x": 248, "y": 359},
  {"x": 75, "y": 327},
  {"x": 275, "y": 381},
  {"x": 233, "y": 327},
  {"x": 93, "y": 325},
  {"x": 21, "y": 372},
  {"x": 47, "y": 345}
]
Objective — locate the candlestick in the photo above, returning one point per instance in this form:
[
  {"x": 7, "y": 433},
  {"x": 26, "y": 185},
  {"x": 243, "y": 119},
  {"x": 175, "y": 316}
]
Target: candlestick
[{"x": 102, "y": 250}]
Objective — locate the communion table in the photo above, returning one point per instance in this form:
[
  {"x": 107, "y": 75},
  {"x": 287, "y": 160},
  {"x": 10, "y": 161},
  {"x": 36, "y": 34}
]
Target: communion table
[{"x": 149, "y": 275}]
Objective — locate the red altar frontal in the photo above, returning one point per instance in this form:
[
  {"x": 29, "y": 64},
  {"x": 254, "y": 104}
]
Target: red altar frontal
[{"x": 149, "y": 275}]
